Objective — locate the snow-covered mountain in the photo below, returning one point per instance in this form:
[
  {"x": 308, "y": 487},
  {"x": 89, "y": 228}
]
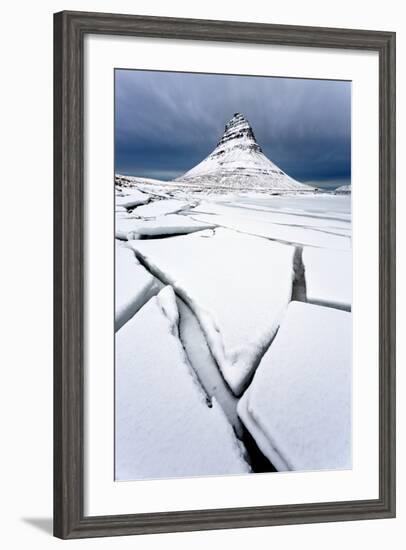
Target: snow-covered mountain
[
  {"x": 238, "y": 163},
  {"x": 343, "y": 190}
]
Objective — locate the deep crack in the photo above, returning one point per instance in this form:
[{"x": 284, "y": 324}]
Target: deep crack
[{"x": 299, "y": 280}]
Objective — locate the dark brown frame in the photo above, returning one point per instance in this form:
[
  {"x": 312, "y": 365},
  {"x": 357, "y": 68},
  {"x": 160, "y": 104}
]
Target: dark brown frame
[{"x": 69, "y": 31}]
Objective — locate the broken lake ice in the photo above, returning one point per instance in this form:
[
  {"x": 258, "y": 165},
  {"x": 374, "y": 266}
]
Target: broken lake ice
[
  {"x": 237, "y": 285},
  {"x": 298, "y": 406},
  {"x": 237, "y": 281},
  {"x": 164, "y": 424}
]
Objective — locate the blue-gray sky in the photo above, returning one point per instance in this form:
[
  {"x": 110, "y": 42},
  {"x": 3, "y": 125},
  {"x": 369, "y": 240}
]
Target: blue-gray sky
[{"x": 167, "y": 122}]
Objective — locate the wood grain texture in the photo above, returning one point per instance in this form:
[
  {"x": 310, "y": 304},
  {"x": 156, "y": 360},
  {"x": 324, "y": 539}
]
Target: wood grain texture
[{"x": 69, "y": 30}]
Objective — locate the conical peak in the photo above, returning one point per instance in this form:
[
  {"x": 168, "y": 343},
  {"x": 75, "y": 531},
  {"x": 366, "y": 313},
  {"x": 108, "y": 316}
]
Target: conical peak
[
  {"x": 237, "y": 123},
  {"x": 237, "y": 119},
  {"x": 238, "y": 163},
  {"x": 238, "y": 131}
]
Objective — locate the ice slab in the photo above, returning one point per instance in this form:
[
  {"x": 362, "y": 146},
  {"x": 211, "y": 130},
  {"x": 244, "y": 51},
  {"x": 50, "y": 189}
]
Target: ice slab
[
  {"x": 134, "y": 198},
  {"x": 298, "y": 406},
  {"x": 164, "y": 426},
  {"x": 328, "y": 275},
  {"x": 160, "y": 208},
  {"x": 172, "y": 224},
  {"x": 125, "y": 225},
  {"x": 238, "y": 287},
  {"x": 134, "y": 285}
]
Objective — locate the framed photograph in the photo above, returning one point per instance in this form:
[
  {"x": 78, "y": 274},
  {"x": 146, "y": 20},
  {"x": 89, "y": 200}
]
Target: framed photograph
[{"x": 224, "y": 274}]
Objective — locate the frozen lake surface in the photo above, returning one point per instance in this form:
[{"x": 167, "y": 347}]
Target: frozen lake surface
[{"x": 229, "y": 310}]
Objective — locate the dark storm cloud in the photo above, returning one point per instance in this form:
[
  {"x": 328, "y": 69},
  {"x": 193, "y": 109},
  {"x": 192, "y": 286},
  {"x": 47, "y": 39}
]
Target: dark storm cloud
[{"x": 168, "y": 122}]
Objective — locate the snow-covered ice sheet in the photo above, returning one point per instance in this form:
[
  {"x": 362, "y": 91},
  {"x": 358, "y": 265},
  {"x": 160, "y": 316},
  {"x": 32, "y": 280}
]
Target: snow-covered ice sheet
[
  {"x": 331, "y": 223},
  {"x": 164, "y": 426},
  {"x": 134, "y": 285},
  {"x": 132, "y": 199},
  {"x": 160, "y": 208},
  {"x": 172, "y": 224},
  {"x": 274, "y": 212},
  {"x": 321, "y": 204},
  {"x": 298, "y": 228},
  {"x": 237, "y": 285},
  {"x": 328, "y": 275},
  {"x": 298, "y": 406}
]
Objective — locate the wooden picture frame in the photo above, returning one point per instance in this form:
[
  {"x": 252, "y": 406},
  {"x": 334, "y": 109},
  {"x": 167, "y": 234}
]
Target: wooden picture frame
[{"x": 70, "y": 29}]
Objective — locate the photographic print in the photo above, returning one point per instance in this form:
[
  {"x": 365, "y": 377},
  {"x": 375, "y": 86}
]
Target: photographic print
[{"x": 233, "y": 275}]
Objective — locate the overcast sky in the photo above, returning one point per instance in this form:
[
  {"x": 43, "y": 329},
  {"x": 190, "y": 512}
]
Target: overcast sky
[{"x": 168, "y": 122}]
